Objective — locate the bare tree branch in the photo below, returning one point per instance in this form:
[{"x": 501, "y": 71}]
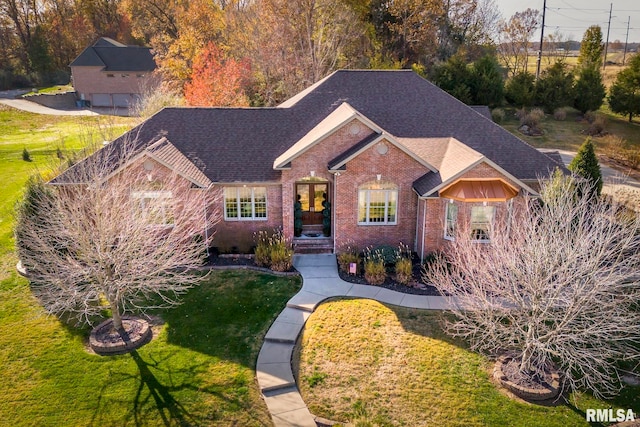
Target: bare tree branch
[
  {"x": 561, "y": 287},
  {"x": 126, "y": 241}
]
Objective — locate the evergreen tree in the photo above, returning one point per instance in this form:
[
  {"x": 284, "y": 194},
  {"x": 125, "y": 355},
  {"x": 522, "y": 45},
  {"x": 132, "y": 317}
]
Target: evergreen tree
[
  {"x": 591, "y": 47},
  {"x": 520, "y": 90},
  {"x": 624, "y": 94},
  {"x": 585, "y": 165},
  {"x": 555, "y": 88},
  {"x": 454, "y": 77},
  {"x": 487, "y": 83},
  {"x": 590, "y": 91}
]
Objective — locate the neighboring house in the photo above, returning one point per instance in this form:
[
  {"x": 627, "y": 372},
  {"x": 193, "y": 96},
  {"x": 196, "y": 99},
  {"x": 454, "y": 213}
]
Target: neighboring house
[
  {"x": 398, "y": 159},
  {"x": 111, "y": 74}
]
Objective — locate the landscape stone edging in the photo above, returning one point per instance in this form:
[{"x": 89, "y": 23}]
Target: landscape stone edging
[
  {"x": 120, "y": 347},
  {"x": 526, "y": 393},
  {"x": 253, "y": 268}
]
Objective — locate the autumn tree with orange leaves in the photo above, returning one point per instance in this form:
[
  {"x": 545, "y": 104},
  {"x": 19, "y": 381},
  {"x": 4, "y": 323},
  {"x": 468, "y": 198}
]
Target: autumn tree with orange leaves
[{"x": 216, "y": 80}]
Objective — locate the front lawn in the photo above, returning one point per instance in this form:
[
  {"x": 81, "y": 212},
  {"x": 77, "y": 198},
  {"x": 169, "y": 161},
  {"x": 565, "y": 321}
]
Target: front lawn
[
  {"x": 199, "y": 370},
  {"x": 359, "y": 360}
]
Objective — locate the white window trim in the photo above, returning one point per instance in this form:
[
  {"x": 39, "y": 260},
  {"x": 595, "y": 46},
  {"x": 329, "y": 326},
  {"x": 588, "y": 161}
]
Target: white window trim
[
  {"x": 368, "y": 191},
  {"x": 142, "y": 195},
  {"x": 491, "y": 228},
  {"x": 253, "y": 205},
  {"x": 446, "y": 221}
]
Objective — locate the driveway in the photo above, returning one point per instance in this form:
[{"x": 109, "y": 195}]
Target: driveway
[
  {"x": 10, "y": 98},
  {"x": 614, "y": 179}
]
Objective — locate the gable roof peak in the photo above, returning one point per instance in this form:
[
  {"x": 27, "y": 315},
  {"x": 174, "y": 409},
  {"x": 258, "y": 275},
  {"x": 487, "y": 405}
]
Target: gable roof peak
[
  {"x": 108, "y": 42},
  {"x": 331, "y": 123}
]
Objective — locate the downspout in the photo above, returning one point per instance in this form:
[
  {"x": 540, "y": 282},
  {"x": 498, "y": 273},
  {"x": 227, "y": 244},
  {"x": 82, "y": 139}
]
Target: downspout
[
  {"x": 415, "y": 245},
  {"x": 206, "y": 229},
  {"x": 424, "y": 224},
  {"x": 335, "y": 198}
]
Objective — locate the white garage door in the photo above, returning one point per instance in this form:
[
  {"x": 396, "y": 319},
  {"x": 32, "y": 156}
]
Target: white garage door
[
  {"x": 101, "y": 100},
  {"x": 121, "y": 100}
]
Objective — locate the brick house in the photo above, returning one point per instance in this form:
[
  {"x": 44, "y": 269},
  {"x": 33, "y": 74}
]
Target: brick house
[
  {"x": 398, "y": 160},
  {"x": 111, "y": 74}
]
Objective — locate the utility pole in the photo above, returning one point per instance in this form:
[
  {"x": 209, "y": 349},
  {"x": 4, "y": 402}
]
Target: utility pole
[
  {"x": 606, "y": 45},
  {"x": 544, "y": 12},
  {"x": 626, "y": 40}
]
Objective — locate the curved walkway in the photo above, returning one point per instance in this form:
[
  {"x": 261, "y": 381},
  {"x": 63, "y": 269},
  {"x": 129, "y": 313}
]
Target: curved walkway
[{"x": 320, "y": 280}]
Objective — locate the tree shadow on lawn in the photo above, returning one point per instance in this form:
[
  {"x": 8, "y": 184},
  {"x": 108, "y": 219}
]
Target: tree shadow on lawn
[
  {"x": 153, "y": 399},
  {"x": 228, "y": 316},
  {"x": 430, "y": 324}
]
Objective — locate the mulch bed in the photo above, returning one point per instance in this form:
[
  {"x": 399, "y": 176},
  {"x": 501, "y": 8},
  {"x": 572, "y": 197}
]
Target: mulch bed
[
  {"x": 414, "y": 288},
  {"x": 242, "y": 261}
]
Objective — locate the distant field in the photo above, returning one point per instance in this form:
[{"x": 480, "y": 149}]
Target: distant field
[{"x": 571, "y": 58}]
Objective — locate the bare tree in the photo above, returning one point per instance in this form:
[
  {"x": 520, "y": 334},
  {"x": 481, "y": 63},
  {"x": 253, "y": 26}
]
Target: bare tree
[
  {"x": 560, "y": 287},
  {"x": 154, "y": 96},
  {"x": 99, "y": 238},
  {"x": 514, "y": 36}
]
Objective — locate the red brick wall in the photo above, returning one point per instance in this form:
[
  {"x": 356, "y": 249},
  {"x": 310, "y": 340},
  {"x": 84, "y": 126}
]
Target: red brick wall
[
  {"x": 435, "y": 211},
  {"x": 316, "y": 159},
  {"x": 395, "y": 167},
  {"x": 237, "y": 236}
]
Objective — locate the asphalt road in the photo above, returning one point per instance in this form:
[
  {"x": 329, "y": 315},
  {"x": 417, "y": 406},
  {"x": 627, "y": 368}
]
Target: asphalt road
[{"x": 613, "y": 178}]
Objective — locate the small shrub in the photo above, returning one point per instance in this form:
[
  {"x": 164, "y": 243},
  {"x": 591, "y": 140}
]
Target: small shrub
[
  {"x": 404, "y": 266},
  {"x": 598, "y": 126},
  {"x": 560, "y": 114},
  {"x": 348, "y": 254},
  {"x": 374, "y": 270},
  {"x": 263, "y": 250},
  {"x": 537, "y": 113},
  {"x": 387, "y": 253},
  {"x": 520, "y": 113},
  {"x": 280, "y": 252},
  {"x": 26, "y": 156},
  {"x": 590, "y": 116},
  {"x": 497, "y": 114},
  {"x": 533, "y": 118}
]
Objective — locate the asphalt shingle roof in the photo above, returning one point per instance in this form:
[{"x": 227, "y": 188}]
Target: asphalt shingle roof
[
  {"x": 241, "y": 144},
  {"x": 114, "y": 56}
]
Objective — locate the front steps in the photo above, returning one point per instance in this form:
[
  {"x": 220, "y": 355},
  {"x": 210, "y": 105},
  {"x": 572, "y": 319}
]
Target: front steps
[{"x": 313, "y": 245}]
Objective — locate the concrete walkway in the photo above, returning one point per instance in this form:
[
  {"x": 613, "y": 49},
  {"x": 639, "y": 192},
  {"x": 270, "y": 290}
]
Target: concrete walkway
[{"x": 320, "y": 280}]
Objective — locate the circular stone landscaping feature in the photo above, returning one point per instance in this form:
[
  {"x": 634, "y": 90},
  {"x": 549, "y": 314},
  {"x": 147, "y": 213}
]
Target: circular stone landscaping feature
[
  {"x": 506, "y": 372},
  {"x": 105, "y": 340}
]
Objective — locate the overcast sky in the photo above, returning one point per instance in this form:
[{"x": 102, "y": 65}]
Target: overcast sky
[{"x": 573, "y": 17}]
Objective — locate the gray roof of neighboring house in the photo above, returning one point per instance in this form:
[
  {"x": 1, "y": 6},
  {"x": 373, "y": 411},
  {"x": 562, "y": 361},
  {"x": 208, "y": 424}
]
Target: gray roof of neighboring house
[
  {"x": 115, "y": 56},
  {"x": 241, "y": 144}
]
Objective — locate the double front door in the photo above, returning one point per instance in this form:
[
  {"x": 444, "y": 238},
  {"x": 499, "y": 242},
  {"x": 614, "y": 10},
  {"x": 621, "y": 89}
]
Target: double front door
[{"x": 311, "y": 196}]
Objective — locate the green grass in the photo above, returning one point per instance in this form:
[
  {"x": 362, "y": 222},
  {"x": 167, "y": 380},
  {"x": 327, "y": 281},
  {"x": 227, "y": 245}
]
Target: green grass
[
  {"x": 568, "y": 134},
  {"x": 51, "y": 90},
  {"x": 390, "y": 366},
  {"x": 199, "y": 370},
  {"x": 41, "y": 135}
]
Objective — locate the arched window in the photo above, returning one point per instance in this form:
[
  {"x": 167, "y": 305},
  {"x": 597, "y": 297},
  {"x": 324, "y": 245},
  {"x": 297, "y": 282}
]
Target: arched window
[{"x": 378, "y": 204}]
